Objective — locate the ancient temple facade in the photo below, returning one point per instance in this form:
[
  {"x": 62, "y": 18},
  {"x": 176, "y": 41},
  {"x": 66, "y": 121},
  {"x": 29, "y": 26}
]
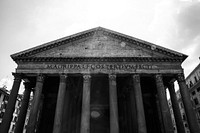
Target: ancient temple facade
[{"x": 99, "y": 81}]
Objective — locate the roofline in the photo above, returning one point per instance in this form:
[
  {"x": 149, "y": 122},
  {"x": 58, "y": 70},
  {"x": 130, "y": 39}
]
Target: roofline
[
  {"x": 146, "y": 42},
  {"x": 51, "y": 42},
  {"x": 193, "y": 71}
]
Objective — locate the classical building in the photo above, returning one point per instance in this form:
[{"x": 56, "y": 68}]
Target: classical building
[
  {"x": 193, "y": 83},
  {"x": 99, "y": 81}
]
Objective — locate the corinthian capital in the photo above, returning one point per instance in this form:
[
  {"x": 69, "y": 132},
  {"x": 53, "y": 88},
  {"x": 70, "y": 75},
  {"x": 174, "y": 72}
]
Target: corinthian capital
[
  {"x": 112, "y": 77},
  {"x": 17, "y": 76},
  {"x": 63, "y": 77},
  {"x": 158, "y": 78},
  {"x": 40, "y": 78},
  {"x": 86, "y": 77},
  {"x": 136, "y": 77},
  {"x": 180, "y": 77}
]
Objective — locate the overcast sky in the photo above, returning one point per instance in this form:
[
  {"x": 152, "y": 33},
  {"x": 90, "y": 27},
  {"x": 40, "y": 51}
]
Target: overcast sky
[{"x": 174, "y": 24}]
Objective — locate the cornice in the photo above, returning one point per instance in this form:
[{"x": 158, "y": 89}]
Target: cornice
[{"x": 97, "y": 59}]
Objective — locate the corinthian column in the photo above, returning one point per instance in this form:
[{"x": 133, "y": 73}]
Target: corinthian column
[
  {"x": 175, "y": 106},
  {"x": 114, "y": 124},
  {"x": 85, "y": 116},
  {"x": 23, "y": 108},
  {"x": 164, "y": 105},
  {"x": 35, "y": 105},
  {"x": 7, "y": 118},
  {"x": 59, "y": 105},
  {"x": 191, "y": 117},
  {"x": 139, "y": 105}
]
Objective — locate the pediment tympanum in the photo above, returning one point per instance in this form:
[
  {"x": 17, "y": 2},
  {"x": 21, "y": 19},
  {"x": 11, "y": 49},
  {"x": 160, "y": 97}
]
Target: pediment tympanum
[
  {"x": 98, "y": 42},
  {"x": 97, "y": 45}
]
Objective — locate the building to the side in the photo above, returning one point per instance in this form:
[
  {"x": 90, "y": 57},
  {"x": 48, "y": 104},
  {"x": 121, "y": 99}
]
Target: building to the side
[
  {"x": 15, "y": 114},
  {"x": 27, "y": 114},
  {"x": 4, "y": 97},
  {"x": 3, "y": 101},
  {"x": 99, "y": 81},
  {"x": 172, "y": 115},
  {"x": 193, "y": 83}
]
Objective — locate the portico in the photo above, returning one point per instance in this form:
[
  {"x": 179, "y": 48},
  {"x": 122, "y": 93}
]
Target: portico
[{"x": 99, "y": 81}]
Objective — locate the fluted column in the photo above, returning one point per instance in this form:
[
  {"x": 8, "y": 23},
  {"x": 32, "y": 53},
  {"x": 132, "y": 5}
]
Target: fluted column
[
  {"x": 164, "y": 105},
  {"x": 7, "y": 118},
  {"x": 35, "y": 105},
  {"x": 85, "y": 115},
  {"x": 191, "y": 117},
  {"x": 139, "y": 105},
  {"x": 114, "y": 123},
  {"x": 59, "y": 106},
  {"x": 176, "y": 109},
  {"x": 23, "y": 108}
]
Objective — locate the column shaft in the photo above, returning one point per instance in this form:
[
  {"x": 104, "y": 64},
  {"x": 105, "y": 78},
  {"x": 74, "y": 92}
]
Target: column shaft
[
  {"x": 176, "y": 109},
  {"x": 160, "y": 115},
  {"x": 139, "y": 105},
  {"x": 31, "y": 127},
  {"x": 7, "y": 118},
  {"x": 85, "y": 116},
  {"x": 114, "y": 123},
  {"x": 59, "y": 106},
  {"x": 164, "y": 105},
  {"x": 191, "y": 117},
  {"x": 23, "y": 109}
]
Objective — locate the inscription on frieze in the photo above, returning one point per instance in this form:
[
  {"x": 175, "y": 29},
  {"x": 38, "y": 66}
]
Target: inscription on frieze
[
  {"x": 126, "y": 67},
  {"x": 101, "y": 67}
]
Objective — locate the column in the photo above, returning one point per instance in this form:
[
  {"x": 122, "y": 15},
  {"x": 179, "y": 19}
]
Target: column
[
  {"x": 7, "y": 118},
  {"x": 85, "y": 116},
  {"x": 35, "y": 105},
  {"x": 114, "y": 125},
  {"x": 23, "y": 108},
  {"x": 1, "y": 98},
  {"x": 176, "y": 109},
  {"x": 159, "y": 115},
  {"x": 139, "y": 105},
  {"x": 168, "y": 127},
  {"x": 59, "y": 105},
  {"x": 191, "y": 117}
]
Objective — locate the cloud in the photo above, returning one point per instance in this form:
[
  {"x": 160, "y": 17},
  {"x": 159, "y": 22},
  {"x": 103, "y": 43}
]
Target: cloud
[
  {"x": 6, "y": 82},
  {"x": 176, "y": 25},
  {"x": 188, "y": 21}
]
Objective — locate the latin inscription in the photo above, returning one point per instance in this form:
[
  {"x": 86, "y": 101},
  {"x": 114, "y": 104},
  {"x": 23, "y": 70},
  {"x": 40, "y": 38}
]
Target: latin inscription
[{"x": 100, "y": 66}]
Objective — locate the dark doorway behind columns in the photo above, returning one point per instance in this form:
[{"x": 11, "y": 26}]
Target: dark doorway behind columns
[
  {"x": 72, "y": 105},
  {"x": 126, "y": 105},
  {"x": 99, "y": 104},
  {"x": 151, "y": 107},
  {"x": 48, "y": 105}
]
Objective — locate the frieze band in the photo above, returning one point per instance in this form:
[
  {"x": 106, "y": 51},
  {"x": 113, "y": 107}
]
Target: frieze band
[{"x": 100, "y": 66}]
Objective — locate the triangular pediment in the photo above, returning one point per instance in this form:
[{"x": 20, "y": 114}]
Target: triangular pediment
[{"x": 98, "y": 42}]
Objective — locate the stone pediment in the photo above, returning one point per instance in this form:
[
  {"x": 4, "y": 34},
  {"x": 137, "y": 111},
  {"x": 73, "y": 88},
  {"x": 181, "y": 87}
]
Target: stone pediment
[{"x": 98, "y": 42}]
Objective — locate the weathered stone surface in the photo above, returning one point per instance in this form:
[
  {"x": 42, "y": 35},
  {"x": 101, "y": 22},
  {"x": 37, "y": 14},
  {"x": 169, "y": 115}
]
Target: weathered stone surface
[{"x": 99, "y": 45}]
